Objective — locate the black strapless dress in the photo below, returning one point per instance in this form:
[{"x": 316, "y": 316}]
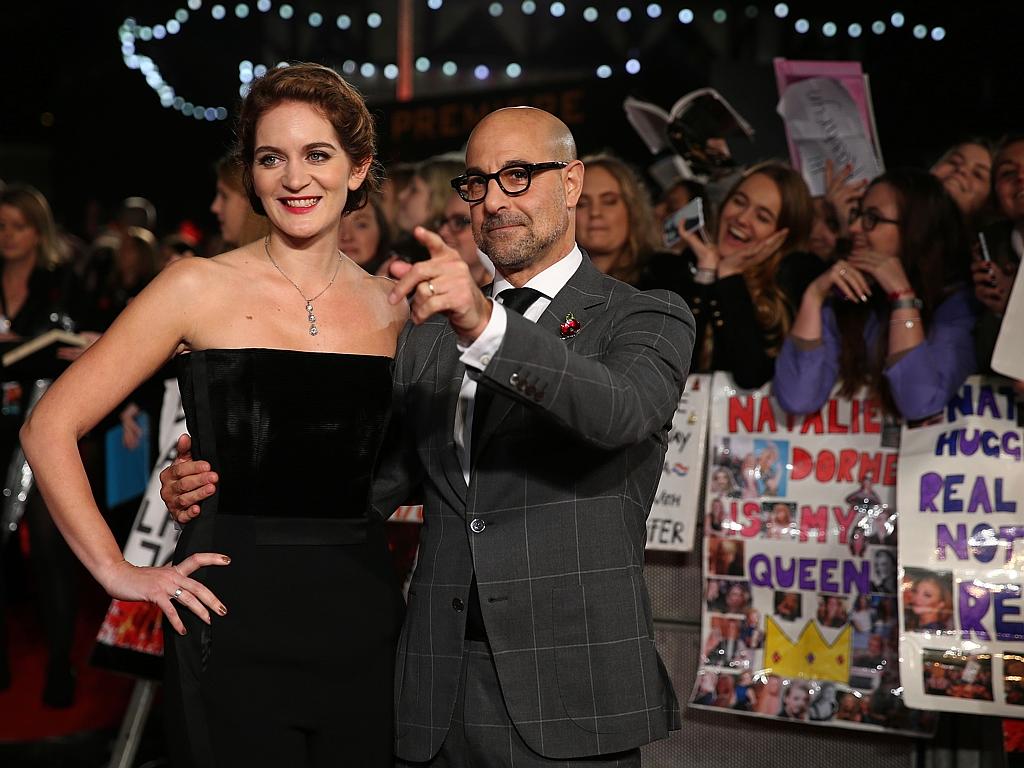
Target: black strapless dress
[{"x": 300, "y": 670}]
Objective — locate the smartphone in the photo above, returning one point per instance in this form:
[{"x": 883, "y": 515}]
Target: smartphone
[
  {"x": 690, "y": 216},
  {"x": 985, "y": 255}
]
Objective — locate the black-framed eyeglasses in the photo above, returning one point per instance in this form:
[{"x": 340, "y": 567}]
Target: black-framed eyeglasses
[
  {"x": 513, "y": 180},
  {"x": 456, "y": 222},
  {"x": 870, "y": 219}
]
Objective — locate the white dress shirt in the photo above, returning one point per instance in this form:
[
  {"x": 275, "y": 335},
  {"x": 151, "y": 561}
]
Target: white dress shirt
[{"x": 477, "y": 355}]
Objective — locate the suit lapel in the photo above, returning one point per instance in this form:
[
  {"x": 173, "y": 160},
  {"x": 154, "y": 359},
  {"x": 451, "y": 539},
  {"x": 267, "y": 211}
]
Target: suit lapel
[
  {"x": 584, "y": 292},
  {"x": 449, "y": 384}
]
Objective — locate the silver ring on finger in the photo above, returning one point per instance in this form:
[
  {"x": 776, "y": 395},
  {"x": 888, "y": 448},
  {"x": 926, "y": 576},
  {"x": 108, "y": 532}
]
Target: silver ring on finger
[
  {"x": 842, "y": 271},
  {"x": 430, "y": 287},
  {"x": 177, "y": 593}
]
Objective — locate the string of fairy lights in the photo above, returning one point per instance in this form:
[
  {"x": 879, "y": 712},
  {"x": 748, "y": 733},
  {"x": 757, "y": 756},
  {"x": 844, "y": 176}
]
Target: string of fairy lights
[{"x": 132, "y": 33}]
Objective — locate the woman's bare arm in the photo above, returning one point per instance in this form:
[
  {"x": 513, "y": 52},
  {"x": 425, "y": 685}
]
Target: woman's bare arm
[{"x": 142, "y": 339}]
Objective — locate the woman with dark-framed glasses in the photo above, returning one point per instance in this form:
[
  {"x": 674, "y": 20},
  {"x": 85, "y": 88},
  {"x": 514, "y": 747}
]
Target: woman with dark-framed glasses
[{"x": 896, "y": 316}]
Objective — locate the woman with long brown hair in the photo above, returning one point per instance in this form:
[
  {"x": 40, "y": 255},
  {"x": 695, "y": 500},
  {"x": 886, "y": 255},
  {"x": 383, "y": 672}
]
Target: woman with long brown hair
[
  {"x": 744, "y": 285},
  {"x": 896, "y": 316}
]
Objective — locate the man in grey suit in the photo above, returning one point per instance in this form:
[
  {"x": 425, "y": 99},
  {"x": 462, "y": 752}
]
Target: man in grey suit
[{"x": 534, "y": 424}]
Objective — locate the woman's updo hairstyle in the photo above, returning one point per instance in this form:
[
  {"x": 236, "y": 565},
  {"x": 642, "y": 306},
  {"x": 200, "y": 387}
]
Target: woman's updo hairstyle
[{"x": 327, "y": 92}]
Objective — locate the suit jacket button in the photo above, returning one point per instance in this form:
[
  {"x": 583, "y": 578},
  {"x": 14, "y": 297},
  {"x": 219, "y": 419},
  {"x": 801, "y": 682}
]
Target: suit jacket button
[
  {"x": 513, "y": 379},
  {"x": 477, "y": 525},
  {"x": 458, "y": 605}
]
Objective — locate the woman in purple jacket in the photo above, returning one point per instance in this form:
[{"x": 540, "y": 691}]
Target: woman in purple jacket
[{"x": 896, "y": 316}]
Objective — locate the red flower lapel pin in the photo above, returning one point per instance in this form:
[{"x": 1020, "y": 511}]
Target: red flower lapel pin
[{"x": 570, "y": 327}]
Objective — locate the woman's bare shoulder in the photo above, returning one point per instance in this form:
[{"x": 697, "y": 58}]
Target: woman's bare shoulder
[
  {"x": 205, "y": 275},
  {"x": 382, "y": 290}
]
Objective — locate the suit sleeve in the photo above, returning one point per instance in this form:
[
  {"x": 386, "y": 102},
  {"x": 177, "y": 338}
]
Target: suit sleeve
[
  {"x": 399, "y": 472},
  {"x": 618, "y": 397}
]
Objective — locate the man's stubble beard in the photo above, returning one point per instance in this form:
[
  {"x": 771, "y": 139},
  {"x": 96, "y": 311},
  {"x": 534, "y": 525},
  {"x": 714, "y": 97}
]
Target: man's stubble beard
[{"x": 511, "y": 255}]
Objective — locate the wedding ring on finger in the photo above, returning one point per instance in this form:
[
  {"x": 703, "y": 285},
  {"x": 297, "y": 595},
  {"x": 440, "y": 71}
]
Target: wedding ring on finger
[
  {"x": 842, "y": 271},
  {"x": 430, "y": 287},
  {"x": 177, "y": 593}
]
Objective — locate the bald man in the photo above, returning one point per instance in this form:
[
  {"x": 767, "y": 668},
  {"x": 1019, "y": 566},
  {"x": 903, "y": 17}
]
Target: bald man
[{"x": 533, "y": 423}]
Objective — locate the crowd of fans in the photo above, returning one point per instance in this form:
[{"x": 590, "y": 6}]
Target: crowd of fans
[{"x": 898, "y": 285}]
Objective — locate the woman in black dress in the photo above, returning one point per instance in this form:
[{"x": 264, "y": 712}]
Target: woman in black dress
[{"x": 283, "y": 653}]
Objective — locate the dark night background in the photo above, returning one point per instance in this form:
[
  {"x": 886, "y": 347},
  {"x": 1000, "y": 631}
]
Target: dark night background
[{"x": 110, "y": 137}]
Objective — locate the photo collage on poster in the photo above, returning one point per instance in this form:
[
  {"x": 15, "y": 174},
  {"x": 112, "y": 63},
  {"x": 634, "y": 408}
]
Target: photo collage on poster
[{"x": 800, "y": 596}]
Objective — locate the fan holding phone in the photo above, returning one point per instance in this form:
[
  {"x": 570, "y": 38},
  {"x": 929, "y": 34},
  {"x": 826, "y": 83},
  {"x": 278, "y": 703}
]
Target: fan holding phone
[{"x": 748, "y": 271}]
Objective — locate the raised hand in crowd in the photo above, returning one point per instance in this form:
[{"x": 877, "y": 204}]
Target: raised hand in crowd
[
  {"x": 887, "y": 270},
  {"x": 993, "y": 283},
  {"x": 841, "y": 277},
  {"x": 736, "y": 261},
  {"x": 841, "y": 194}
]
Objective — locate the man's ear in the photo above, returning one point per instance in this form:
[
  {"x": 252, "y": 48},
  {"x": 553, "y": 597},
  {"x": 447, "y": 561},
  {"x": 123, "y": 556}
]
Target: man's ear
[{"x": 573, "y": 183}]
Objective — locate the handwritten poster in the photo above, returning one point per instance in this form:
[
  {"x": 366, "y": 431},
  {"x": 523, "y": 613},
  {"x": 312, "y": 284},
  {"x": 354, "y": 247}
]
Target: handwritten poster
[
  {"x": 828, "y": 115},
  {"x": 673, "y": 519},
  {"x": 961, "y": 489},
  {"x": 800, "y": 603}
]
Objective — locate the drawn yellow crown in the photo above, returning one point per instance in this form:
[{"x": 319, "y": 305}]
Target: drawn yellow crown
[{"x": 811, "y": 656}]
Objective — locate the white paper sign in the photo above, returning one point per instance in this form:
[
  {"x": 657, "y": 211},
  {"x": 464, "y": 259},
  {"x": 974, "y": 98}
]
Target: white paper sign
[
  {"x": 153, "y": 536},
  {"x": 823, "y": 123},
  {"x": 1008, "y": 355},
  {"x": 673, "y": 519}
]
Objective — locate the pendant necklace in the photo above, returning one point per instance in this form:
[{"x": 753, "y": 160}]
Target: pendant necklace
[{"x": 313, "y": 330}]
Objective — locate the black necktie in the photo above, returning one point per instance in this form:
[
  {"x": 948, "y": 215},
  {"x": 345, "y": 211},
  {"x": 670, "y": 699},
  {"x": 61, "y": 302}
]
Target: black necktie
[{"x": 518, "y": 300}]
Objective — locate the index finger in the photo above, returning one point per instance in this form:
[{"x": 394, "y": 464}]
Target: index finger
[
  {"x": 431, "y": 240},
  {"x": 421, "y": 270}
]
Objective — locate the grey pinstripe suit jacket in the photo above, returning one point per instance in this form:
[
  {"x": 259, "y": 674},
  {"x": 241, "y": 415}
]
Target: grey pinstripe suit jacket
[{"x": 564, "y": 478}]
